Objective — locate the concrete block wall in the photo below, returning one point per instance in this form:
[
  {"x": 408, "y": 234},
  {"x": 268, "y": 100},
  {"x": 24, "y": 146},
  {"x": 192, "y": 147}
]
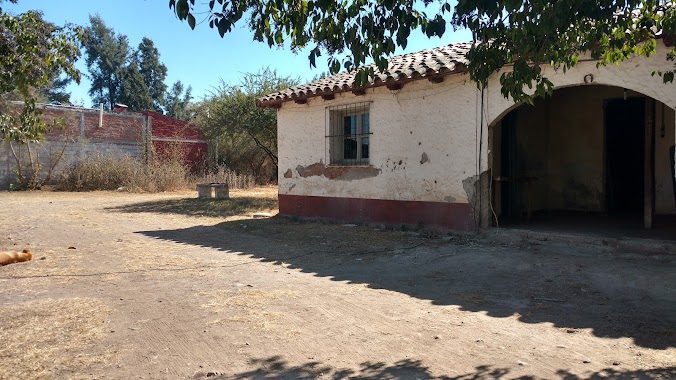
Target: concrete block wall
[{"x": 48, "y": 152}]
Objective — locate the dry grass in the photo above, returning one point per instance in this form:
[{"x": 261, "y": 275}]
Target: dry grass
[
  {"x": 249, "y": 306},
  {"x": 48, "y": 266},
  {"x": 240, "y": 203},
  {"x": 132, "y": 174},
  {"x": 233, "y": 179},
  {"x": 50, "y": 339},
  {"x": 112, "y": 173}
]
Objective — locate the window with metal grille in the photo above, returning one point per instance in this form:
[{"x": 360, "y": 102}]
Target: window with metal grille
[{"x": 348, "y": 134}]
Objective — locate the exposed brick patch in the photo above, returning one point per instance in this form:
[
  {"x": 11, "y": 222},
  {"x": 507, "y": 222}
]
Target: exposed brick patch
[
  {"x": 311, "y": 170},
  {"x": 344, "y": 173},
  {"x": 288, "y": 174}
]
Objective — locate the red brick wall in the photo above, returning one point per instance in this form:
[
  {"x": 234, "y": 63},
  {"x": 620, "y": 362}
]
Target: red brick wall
[
  {"x": 70, "y": 119},
  {"x": 165, "y": 126},
  {"x": 194, "y": 150},
  {"x": 126, "y": 127},
  {"x": 193, "y": 154}
]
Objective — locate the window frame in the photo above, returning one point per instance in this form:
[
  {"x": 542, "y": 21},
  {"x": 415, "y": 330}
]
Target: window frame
[{"x": 336, "y": 135}]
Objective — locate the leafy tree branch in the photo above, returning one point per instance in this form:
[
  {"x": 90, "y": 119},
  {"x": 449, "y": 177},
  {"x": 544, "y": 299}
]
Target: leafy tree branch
[
  {"x": 524, "y": 34},
  {"x": 31, "y": 52}
]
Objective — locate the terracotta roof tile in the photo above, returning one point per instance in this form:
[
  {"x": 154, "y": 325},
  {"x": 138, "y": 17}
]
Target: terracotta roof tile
[{"x": 439, "y": 61}]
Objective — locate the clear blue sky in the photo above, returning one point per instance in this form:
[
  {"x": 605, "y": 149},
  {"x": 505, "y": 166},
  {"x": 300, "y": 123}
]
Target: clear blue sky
[{"x": 199, "y": 57}]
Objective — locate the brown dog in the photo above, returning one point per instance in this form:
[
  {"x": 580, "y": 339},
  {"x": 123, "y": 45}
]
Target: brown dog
[{"x": 15, "y": 257}]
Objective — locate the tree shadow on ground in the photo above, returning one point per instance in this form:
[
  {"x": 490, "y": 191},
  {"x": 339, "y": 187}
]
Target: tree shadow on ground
[
  {"x": 614, "y": 296},
  {"x": 203, "y": 207},
  {"x": 275, "y": 368}
]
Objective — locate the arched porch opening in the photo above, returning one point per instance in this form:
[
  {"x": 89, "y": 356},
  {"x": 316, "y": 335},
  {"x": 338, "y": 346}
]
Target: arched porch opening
[{"x": 590, "y": 156}]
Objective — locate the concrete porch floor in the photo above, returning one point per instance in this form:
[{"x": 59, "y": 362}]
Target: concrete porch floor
[{"x": 617, "y": 234}]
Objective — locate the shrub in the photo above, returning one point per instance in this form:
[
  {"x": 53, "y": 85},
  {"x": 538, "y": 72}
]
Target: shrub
[
  {"x": 131, "y": 174},
  {"x": 97, "y": 173},
  {"x": 112, "y": 173}
]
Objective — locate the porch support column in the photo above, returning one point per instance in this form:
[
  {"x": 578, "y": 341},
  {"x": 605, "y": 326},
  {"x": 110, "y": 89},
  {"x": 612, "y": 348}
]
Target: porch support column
[{"x": 649, "y": 165}]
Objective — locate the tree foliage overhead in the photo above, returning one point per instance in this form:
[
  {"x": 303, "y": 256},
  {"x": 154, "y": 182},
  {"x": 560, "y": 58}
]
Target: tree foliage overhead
[
  {"x": 525, "y": 33},
  {"x": 32, "y": 52},
  {"x": 231, "y": 118},
  {"x": 531, "y": 33}
]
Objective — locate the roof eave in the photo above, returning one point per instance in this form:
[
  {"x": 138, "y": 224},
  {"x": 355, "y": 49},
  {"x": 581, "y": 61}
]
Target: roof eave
[{"x": 435, "y": 77}]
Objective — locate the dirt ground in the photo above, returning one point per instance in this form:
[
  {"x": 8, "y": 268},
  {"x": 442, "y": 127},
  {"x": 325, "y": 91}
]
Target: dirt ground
[{"x": 136, "y": 286}]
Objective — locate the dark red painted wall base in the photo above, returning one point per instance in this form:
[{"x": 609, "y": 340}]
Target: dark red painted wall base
[{"x": 454, "y": 216}]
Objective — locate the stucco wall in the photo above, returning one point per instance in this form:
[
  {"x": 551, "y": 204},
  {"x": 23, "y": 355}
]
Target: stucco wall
[
  {"x": 422, "y": 146},
  {"x": 633, "y": 74},
  {"x": 665, "y": 137},
  {"x": 439, "y": 122}
]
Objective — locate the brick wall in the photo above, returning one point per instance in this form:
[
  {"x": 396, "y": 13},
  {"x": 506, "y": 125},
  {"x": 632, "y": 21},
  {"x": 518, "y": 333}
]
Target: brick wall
[
  {"x": 170, "y": 135},
  {"x": 119, "y": 134},
  {"x": 124, "y": 133},
  {"x": 83, "y": 123},
  {"x": 165, "y": 126}
]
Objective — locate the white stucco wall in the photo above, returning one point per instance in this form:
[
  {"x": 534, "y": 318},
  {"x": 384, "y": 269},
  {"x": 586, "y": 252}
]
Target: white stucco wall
[
  {"x": 440, "y": 120},
  {"x": 633, "y": 74}
]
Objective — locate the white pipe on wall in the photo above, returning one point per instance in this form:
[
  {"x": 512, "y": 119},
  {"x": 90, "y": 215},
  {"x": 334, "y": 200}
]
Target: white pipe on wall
[{"x": 100, "y": 115}]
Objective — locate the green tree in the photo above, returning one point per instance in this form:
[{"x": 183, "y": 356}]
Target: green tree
[
  {"x": 31, "y": 50},
  {"x": 133, "y": 90},
  {"x": 230, "y": 114},
  {"x": 178, "y": 102},
  {"x": 107, "y": 55},
  {"x": 153, "y": 71},
  {"x": 531, "y": 34},
  {"x": 56, "y": 90},
  {"x": 527, "y": 33}
]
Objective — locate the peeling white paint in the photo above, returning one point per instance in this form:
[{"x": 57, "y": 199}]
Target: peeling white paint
[{"x": 440, "y": 121}]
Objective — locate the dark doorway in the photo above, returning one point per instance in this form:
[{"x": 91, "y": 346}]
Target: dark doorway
[
  {"x": 625, "y": 146},
  {"x": 508, "y": 166}
]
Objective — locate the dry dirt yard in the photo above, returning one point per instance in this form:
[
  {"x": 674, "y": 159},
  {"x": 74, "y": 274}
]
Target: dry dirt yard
[{"x": 129, "y": 286}]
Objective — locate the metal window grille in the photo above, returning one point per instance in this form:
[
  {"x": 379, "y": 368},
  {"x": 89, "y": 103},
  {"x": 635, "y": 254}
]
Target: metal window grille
[{"x": 348, "y": 133}]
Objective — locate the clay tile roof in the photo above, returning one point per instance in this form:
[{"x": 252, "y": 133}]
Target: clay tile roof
[{"x": 436, "y": 62}]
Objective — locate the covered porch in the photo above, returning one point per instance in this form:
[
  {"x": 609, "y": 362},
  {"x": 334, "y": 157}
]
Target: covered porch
[{"x": 588, "y": 159}]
